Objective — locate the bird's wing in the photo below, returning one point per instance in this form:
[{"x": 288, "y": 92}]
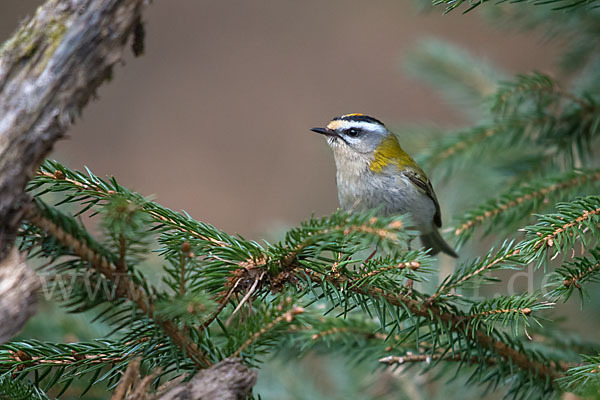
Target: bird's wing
[{"x": 418, "y": 177}]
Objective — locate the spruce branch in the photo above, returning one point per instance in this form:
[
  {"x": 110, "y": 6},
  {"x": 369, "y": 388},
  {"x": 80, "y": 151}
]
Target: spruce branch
[
  {"x": 585, "y": 274},
  {"x": 344, "y": 281},
  {"x": 505, "y": 310},
  {"x": 499, "y": 312},
  {"x": 531, "y": 111},
  {"x": 536, "y": 88},
  {"x": 92, "y": 190},
  {"x": 23, "y": 359},
  {"x": 451, "y": 320},
  {"x": 412, "y": 265},
  {"x": 316, "y": 261},
  {"x": 125, "y": 287},
  {"x": 349, "y": 329},
  {"x": 72, "y": 360},
  {"x": 577, "y": 220},
  {"x": 520, "y": 200}
]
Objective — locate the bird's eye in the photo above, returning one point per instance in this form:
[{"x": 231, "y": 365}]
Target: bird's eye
[{"x": 352, "y": 132}]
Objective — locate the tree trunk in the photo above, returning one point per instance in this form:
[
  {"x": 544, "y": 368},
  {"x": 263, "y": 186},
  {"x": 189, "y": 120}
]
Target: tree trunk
[{"x": 49, "y": 69}]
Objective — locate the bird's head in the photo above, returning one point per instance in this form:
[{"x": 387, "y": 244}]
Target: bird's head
[
  {"x": 359, "y": 141},
  {"x": 354, "y": 133}
]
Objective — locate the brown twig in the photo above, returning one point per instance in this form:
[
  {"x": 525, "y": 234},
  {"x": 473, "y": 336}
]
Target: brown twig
[
  {"x": 141, "y": 389},
  {"x": 525, "y": 311},
  {"x": 128, "y": 380},
  {"x": 246, "y": 297},
  {"x": 413, "y": 265},
  {"x": 222, "y": 304}
]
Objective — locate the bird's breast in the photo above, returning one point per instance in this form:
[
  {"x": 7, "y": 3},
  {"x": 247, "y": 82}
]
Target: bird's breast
[{"x": 390, "y": 191}]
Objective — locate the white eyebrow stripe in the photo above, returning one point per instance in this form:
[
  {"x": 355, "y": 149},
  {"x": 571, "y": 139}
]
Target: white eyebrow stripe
[{"x": 341, "y": 124}]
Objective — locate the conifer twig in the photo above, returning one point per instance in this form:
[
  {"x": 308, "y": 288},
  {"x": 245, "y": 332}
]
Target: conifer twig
[
  {"x": 22, "y": 356},
  {"x": 524, "y": 311},
  {"x": 411, "y": 358},
  {"x": 538, "y": 193},
  {"x": 452, "y": 321},
  {"x": 103, "y": 192},
  {"x": 428, "y": 358},
  {"x": 287, "y": 316},
  {"x": 573, "y": 280},
  {"x": 413, "y": 265},
  {"x": 125, "y": 287},
  {"x": 548, "y": 240},
  {"x": 445, "y": 288}
]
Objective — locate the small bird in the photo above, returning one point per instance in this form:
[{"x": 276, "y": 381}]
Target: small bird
[{"x": 373, "y": 171}]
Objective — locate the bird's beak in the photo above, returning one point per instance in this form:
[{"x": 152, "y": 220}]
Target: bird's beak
[{"x": 324, "y": 131}]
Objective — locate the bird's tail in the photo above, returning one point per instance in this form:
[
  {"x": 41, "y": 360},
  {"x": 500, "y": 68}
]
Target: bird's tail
[{"x": 434, "y": 241}]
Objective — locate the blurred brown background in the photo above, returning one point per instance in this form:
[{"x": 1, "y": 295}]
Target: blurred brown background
[{"x": 214, "y": 118}]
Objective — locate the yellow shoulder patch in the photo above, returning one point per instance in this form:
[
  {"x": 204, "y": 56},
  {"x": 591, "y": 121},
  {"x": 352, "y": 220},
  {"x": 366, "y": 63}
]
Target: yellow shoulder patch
[{"x": 389, "y": 152}]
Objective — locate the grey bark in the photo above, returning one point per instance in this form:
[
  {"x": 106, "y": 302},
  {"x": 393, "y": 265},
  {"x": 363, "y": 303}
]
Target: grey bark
[
  {"x": 49, "y": 69},
  {"x": 227, "y": 380},
  {"x": 18, "y": 285}
]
